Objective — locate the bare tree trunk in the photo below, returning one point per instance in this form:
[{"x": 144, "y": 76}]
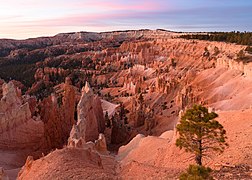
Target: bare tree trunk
[{"x": 198, "y": 157}]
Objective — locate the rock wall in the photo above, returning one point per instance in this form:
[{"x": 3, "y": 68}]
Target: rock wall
[{"x": 232, "y": 64}]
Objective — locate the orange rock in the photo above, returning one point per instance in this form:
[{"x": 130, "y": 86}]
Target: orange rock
[
  {"x": 57, "y": 114},
  {"x": 18, "y": 130},
  {"x": 90, "y": 111}
]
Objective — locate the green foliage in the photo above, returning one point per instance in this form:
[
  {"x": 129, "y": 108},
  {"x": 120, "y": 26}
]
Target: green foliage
[
  {"x": 140, "y": 99},
  {"x": 199, "y": 133},
  {"x": 249, "y": 49},
  {"x": 216, "y": 50},
  {"x": 20, "y": 72},
  {"x": 125, "y": 120},
  {"x": 43, "y": 90},
  {"x": 164, "y": 106},
  {"x": 195, "y": 172},
  {"x": 173, "y": 63},
  {"x": 122, "y": 112},
  {"x": 108, "y": 95},
  {"x": 206, "y": 52},
  {"x": 241, "y": 55},
  {"x": 107, "y": 120},
  {"x": 139, "y": 90},
  {"x": 244, "y": 38}
]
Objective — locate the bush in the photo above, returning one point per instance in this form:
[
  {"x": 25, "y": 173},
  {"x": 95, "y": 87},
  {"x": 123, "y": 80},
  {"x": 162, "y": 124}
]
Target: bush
[
  {"x": 216, "y": 51},
  {"x": 241, "y": 55},
  {"x": 173, "y": 63},
  {"x": 249, "y": 49},
  {"x": 195, "y": 172}
]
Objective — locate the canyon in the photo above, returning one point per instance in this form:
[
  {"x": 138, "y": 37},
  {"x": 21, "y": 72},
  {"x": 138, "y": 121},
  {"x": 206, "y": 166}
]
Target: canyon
[{"x": 105, "y": 105}]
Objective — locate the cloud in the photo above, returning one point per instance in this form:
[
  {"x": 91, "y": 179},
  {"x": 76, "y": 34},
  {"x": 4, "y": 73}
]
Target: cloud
[
  {"x": 140, "y": 5},
  {"x": 52, "y": 16}
]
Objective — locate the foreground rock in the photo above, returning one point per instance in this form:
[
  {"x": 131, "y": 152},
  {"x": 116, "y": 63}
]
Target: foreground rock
[
  {"x": 161, "y": 154},
  {"x": 69, "y": 163}
]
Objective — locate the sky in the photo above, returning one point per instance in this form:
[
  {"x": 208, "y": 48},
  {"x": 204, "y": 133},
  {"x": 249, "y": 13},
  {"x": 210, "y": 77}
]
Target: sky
[{"x": 20, "y": 19}]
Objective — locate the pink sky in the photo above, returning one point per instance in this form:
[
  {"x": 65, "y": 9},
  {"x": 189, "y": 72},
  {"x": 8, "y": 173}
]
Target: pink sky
[
  {"x": 32, "y": 18},
  {"x": 29, "y": 18}
]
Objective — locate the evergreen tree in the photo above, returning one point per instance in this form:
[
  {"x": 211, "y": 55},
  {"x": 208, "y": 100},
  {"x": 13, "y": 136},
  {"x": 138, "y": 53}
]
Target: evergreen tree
[
  {"x": 173, "y": 63},
  {"x": 140, "y": 99},
  {"x": 249, "y": 49},
  {"x": 241, "y": 55},
  {"x": 200, "y": 133},
  {"x": 122, "y": 112},
  {"x": 195, "y": 172},
  {"x": 107, "y": 120}
]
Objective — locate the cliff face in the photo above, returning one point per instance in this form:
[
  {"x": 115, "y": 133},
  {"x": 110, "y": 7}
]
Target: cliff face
[
  {"x": 231, "y": 64},
  {"x": 18, "y": 129},
  {"x": 57, "y": 113}
]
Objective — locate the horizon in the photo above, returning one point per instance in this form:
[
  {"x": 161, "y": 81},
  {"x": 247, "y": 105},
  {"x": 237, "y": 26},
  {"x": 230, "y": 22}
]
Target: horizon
[
  {"x": 119, "y": 30},
  {"x": 28, "y": 19}
]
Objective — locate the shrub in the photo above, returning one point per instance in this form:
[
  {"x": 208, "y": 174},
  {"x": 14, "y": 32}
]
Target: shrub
[
  {"x": 241, "y": 55},
  {"x": 195, "y": 172},
  {"x": 249, "y": 49}
]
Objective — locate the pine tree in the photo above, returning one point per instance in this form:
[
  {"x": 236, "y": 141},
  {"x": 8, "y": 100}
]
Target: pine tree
[
  {"x": 122, "y": 111},
  {"x": 107, "y": 120},
  {"x": 200, "y": 133},
  {"x": 173, "y": 63},
  {"x": 241, "y": 55},
  {"x": 140, "y": 99}
]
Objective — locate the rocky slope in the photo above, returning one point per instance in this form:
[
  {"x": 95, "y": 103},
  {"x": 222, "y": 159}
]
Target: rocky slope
[{"x": 75, "y": 163}]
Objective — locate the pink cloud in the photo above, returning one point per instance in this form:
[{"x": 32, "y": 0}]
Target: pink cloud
[
  {"x": 140, "y": 5},
  {"x": 81, "y": 19},
  {"x": 64, "y": 15}
]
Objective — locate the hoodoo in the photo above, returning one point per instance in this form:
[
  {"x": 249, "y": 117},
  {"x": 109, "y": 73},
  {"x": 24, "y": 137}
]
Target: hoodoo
[{"x": 106, "y": 105}]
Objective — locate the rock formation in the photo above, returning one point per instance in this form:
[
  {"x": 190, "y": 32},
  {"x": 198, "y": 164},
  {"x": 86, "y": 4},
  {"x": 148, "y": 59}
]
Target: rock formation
[
  {"x": 90, "y": 122},
  {"x": 3, "y": 175},
  {"x": 57, "y": 113},
  {"x": 101, "y": 145},
  {"x": 77, "y": 134},
  {"x": 77, "y": 139},
  {"x": 70, "y": 163},
  {"x": 90, "y": 111},
  {"x": 18, "y": 129}
]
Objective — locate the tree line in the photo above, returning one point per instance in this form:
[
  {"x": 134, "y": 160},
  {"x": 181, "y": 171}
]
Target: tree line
[{"x": 242, "y": 38}]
